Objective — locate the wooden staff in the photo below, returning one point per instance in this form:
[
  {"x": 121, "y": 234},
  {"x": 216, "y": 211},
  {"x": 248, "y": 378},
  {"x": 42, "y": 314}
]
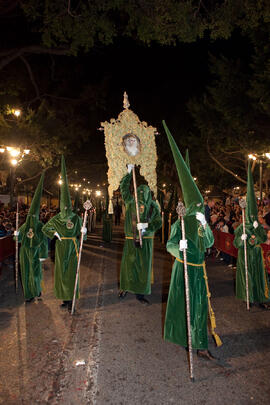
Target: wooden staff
[
  {"x": 87, "y": 205},
  {"x": 17, "y": 250},
  {"x": 162, "y": 234},
  {"x": 170, "y": 224},
  {"x": 181, "y": 211},
  {"x": 136, "y": 202},
  {"x": 243, "y": 205}
]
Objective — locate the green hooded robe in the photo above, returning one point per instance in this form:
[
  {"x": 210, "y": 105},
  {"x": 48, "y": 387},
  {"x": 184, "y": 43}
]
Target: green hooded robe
[
  {"x": 34, "y": 246},
  {"x": 198, "y": 240},
  {"x": 258, "y": 284},
  {"x": 136, "y": 265},
  {"x": 68, "y": 225}
]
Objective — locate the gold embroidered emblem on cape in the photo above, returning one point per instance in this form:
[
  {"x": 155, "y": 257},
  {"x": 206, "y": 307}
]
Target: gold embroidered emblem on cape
[
  {"x": 69, "y": 224},
  {"x": 30, "y": 234}
]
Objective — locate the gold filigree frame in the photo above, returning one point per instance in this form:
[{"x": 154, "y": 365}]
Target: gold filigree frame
[{"x": 128, "y": 123}]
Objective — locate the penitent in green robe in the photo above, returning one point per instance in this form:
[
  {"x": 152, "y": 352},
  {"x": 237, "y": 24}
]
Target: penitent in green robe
[
  {"x": 66, "y": 253},
  {"x": 136, "y": 265},
  {"x": 176, "y": 320},
  {"x": 34, "y": 246},
  {"x": 258, "y": 284}
]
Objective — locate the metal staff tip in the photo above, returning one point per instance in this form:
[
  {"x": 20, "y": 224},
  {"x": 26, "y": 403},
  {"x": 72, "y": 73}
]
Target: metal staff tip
[
  {"x": 87, "y": 205},
  {"x": 181, "y": 209},
  {"x": 242, "y": 203}
]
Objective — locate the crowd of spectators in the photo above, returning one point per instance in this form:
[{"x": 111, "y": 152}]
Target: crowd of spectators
[
  {"x": 226, "y": 216},
  {"x": 8, "y": 217}
]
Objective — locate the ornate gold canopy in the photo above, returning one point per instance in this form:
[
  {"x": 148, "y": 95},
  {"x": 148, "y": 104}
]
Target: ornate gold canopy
[{"x": 129, "y": 123}]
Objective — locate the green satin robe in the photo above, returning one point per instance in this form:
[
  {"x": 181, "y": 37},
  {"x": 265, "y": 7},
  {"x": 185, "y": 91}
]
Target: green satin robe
[
  {"x": 66, "y": 254},
  {"x": 136, "y": 265},
  {"x": 34, "y": 246},
  {"x": 258, "y": 284},
  {"x": 107, "y": 227},
  {"x": 175, "y": 329}
]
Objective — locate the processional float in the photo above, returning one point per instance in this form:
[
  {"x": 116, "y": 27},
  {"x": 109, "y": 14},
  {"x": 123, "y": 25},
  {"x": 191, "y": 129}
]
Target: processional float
[{"x": 130, "y": 141}]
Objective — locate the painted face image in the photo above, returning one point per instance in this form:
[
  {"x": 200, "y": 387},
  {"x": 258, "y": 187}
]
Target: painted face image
[{"x": 131, "y": 144}]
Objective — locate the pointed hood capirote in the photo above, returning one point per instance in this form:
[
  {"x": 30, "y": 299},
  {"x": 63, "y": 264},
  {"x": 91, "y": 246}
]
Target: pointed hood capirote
[
  {"x": 35, "y": 204},
  {"x": 65, "y": 200},
  {"x": 252, "y": 209},
  {"x": 192, "y": 197},
  {"x": 33, "y": 213},
  {"x": 76, "y": 202},
  {"x": 187, "y": 159}
]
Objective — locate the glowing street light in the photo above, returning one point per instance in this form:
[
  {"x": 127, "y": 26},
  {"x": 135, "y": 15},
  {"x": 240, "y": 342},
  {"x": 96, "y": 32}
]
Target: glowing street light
[
  {"x": 98, "y": 193},
  {"x": 14, "y": 152},
  {"x": 16, "y": 112},
  {"x": 14, "y": 162},
  {"x": 260, "y": 159}
]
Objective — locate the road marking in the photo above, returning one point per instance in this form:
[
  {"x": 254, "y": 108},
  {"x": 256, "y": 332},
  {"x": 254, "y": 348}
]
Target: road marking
[{"x": 91, "y": 387}]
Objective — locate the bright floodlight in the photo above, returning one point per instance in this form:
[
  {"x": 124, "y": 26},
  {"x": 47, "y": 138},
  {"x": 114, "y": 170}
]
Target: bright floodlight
[
  {"x": 267, "y": 155},
  {"x": 251, "y": 156},
  {"x": 2, "y": 150},
  {"x": 17, "y": 112},
  {"x": 14, "y": 152},
  {"x": 60, "y": 182},
  {"x": 14, "y": 162},
  {"x": 27, "y": 151},
  {"x": 98, "y": 193}
]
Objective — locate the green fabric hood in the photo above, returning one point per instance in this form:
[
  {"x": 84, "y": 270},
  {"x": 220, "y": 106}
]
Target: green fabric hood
[
  {"x": 35, "y": 204},
  {"x": 192, "y": 197},
  {"x": 187, "y": 159},
  {"x": 65, "y": 200},
  {"x": 252, "y": 209},
  {"x": 33, "y": 213},
  {"x": 76, "y": 202},
  {"x": 144, "y": 195}
]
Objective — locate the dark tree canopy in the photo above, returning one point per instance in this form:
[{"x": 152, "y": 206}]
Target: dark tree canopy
[{"x": 47, "y": 47}]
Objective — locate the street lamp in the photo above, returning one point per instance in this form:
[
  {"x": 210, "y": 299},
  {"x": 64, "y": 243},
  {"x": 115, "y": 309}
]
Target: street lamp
[
  {"x": 16, "y": 155},
  {"x": 260, "y": 158}
]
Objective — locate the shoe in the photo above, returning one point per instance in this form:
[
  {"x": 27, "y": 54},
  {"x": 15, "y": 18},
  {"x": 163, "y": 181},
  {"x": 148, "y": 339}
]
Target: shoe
[
  {"x": 205, "y": 354},
  {"x": 39, "y": 297},
  {"x": 122, "y": 294},
  {"x": 264, "y": 306},
  {"x": 69, "y": 307},
  {"x": 142, "y": 300},
  {"x": 29, "y": 300},
  {"x": 65, "y": 304}
]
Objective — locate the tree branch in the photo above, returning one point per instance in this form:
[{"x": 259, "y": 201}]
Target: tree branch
[
  {"x": 9, "y": 56},
  {"x": 34, "y": 177},
  {"x": 28, "y": 67},
  {"x": 223, "y": 167}
]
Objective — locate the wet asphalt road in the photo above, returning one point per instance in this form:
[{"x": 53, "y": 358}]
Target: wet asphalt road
[{"x": 112, "y": 352}]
